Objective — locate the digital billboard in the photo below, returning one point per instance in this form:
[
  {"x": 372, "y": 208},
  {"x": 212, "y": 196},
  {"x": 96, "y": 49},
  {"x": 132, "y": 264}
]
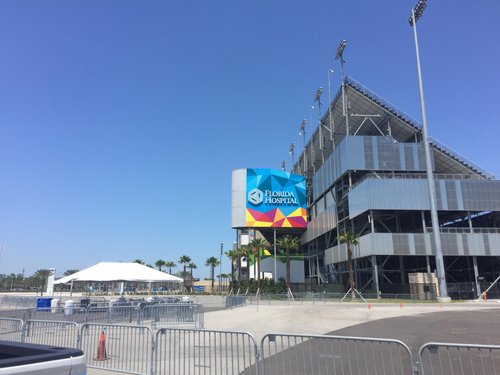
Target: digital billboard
[{"x": 275, "y": 199}]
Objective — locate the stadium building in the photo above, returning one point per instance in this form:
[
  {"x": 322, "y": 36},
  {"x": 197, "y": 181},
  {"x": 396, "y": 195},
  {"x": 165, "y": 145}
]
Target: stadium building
[{"x": 365, "y": 173}]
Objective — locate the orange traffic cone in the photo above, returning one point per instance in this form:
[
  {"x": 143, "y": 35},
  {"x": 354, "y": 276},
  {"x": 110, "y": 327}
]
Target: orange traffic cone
[
  {"x": 401, "y": 305},
  {"x": 369, "y": 306},
  {"x": 101, "y": 348}
]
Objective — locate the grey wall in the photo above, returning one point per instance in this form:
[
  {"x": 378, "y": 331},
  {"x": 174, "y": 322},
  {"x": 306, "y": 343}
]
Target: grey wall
[
  {"x": 412, "y": 194},
  {"x": 480, "y": 244},
  {"x": 238, "y": 198},
  {"x": 368, "y": 153}
]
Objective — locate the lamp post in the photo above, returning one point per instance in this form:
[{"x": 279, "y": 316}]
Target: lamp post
[
  {"x": 416, "y": 13},
  {"x": 340, "y": 56},
  {"x": 220, "y": 266}
]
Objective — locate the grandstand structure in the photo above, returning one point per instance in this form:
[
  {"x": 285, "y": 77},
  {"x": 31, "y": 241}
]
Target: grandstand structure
[{"x": 365, "y": 171}]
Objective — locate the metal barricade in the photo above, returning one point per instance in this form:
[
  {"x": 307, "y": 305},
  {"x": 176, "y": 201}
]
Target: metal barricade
[
  {"x": 173, "y": 315},
  {"x": 98, "y": 314},
  {"x": 53, "y": 333},
  {"x": 120, "y": 348},
  {"x": 235, "y": 301},
  {"x": 67, "y": 314},
  {"x": 11, "y": 329},
  {"x": 323, "y": 354},
  {"x": 193, "y": 351},
  {"x": 124, "y": 314},
  {"x": 438, "y": 358}
]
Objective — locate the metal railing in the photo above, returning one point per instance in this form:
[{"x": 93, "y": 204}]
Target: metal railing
[
  {"x": 235, "y": 301},
  {"x": 135, "y": 349},
  {"x": 173, "y": 315},
  {"x": 53, "y": 333},
  {"x": 120, "y": 348},
  {"x": 437, "y": 358},
  {"x": 11, "y": 329},
  {"x": 321, "y": 354},
  {"x": 17, "y": 302},
  {"x": 477, "y": 230},
  {"x": 189, "y": 351}
]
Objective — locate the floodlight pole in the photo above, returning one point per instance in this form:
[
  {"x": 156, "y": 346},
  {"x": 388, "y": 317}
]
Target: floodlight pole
[
  {"x": 340, "y": 55},
  {"x": 330, "y": 114},
  {"x": 443, "y": 290},
  {"x": 220, "y": 267}
]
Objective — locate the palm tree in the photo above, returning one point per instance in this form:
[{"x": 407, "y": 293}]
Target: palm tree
[
  {"x": 287, "y": 243},
  {"x": 350, "y": 239},
  {"x": 70, "y": 272},
  {"x": 160, "y": 263},
  {"x": 212, "y": 262},
  {"x": 170, "y": 264},
  {"x": 192, "y": 266},
  {"x": 41, "y": 276},
  {"x": 140, "y": 261},
  {"x": 256, "y": 246},
  {"x": 233, "y": 256},
  {"x": 184, "y": 260},
  {"x": 244, "y": 252}
]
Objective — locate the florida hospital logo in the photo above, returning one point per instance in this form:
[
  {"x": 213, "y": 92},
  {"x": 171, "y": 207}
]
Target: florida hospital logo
[{"x": 255, "y": 196}]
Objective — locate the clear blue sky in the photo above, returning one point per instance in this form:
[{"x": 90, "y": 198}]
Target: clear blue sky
[{"x": 121, "y": 121}]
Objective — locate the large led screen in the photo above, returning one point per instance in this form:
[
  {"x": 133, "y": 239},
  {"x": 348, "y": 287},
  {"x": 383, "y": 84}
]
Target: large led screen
[{"x": 275, "y": 199}]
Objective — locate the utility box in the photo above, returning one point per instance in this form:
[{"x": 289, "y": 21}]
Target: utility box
[
  {"x": 423, "y": 285},
  {"x": 43, "y": 303}
]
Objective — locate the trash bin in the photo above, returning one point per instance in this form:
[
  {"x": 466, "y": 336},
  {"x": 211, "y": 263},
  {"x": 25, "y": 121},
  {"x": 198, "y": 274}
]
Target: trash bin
[
  {"x": 85, "y": 302},
  {"x": 43, "y": 303},
  {"x": 55, "y": 305},
  {"x": 70, "y": 307}
]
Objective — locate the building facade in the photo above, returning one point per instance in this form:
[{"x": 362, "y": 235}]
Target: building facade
[{"x": 366, "y": 174}]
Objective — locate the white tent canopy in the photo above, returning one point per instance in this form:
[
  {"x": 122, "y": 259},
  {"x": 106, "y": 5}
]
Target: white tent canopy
[{"x": 111, "y": 271}]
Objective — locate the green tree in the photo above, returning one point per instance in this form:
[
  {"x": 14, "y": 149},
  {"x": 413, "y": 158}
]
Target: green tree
[
  {"x": 41, "y": 277},
  {"x": 287, "y": 243},
  {"x": 184, "y": 260},
  {"x": 170, "y": 264},
  {"x": 212, "y": 262},
  {"x": 234, "y": 257},
  {"x": 350, "y": 240},
  {"x": 70, "y": 272},
  {"x": 244, "y": 253},
  {"x": 257, "y": 246},
  {"x": 140, "y": 261},
  {"x": 160, "y": 263}
]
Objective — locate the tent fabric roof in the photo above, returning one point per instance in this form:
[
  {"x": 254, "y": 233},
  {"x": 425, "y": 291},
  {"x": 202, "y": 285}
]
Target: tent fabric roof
[{"x": 111, "y": 271}]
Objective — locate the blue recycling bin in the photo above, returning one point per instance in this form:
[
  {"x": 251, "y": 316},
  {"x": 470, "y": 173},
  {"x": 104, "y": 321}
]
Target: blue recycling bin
[{"x": 43, "y": 303}]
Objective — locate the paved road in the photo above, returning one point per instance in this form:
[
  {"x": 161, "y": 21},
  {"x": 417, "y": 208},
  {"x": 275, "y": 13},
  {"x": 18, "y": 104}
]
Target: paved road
[{"x": 478, "y": 327}]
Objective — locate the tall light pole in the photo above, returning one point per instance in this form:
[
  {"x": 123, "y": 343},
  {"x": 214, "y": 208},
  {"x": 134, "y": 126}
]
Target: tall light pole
[
  {"x": 220, "y": 267},
  {"x": 340, "y": 56},
  {"x": 330, "y": 114},
  {"x": 416, "y": 13}
]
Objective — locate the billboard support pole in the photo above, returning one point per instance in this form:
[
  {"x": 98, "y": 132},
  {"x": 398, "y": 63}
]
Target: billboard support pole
[{"x": 275, "y": 276}]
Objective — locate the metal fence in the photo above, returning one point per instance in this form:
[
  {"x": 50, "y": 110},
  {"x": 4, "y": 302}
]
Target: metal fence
[
  {"x": 121, "y": 348},
  {"x": 53, "y": 333},
  {"x": 321, "y": 354},
  {"x": 135, "y": 349},
  {"x": 189, "y": 351},
  {"x": 173, "y": 315},
  {"x": 11, "y": 329},
  {"x": 448, "y": 359},
  {"x": 235, "y": 301},
  {"x": 17, "y": 302}
]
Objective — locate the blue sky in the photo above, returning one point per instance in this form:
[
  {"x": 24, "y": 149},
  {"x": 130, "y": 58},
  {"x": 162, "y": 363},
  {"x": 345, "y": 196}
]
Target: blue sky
[{"x": 121, "y": 121}]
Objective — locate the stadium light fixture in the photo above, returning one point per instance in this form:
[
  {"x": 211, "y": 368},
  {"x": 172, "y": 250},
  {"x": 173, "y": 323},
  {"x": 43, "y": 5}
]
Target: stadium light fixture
[
  {"x": 340, "y": 56},
  {"x": 416, "y": 13}
]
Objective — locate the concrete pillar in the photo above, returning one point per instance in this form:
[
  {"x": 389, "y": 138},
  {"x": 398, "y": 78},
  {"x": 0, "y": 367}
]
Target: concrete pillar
[
  {"x": 476, "y": 275},
  {"x": 375, "y": 274},
  {"x": 427, "y": 260}
]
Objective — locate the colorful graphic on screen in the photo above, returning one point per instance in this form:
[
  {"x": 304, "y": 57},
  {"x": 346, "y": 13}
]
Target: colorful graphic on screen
[{"x": 275, "y": 199}]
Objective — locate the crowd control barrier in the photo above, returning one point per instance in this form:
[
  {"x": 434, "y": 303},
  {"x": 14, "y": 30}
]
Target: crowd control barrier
[
  {"x": 437, "y": 358},
  {"x": 321, "y": 354},
  {"x": 191, "y": 351},
  {"x": 118, "y": 348}
]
